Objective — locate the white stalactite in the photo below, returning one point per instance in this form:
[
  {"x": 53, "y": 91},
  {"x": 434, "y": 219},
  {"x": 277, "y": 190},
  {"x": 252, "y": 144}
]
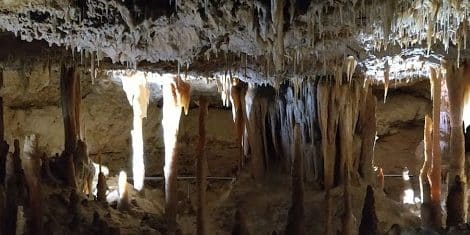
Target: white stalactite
[{"x": 138, "y": 94}]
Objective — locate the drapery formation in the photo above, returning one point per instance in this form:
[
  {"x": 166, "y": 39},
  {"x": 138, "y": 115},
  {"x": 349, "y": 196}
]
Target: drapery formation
[{"x": 337, "y": 123}]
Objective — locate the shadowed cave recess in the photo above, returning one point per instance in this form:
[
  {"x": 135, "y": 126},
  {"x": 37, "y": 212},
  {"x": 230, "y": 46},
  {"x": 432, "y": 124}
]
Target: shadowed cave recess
[{"x": 234, "y": 117}]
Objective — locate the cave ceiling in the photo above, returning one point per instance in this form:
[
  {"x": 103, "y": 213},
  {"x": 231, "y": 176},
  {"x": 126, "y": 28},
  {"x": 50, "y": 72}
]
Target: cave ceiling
[{"x": 265, "y": 41}]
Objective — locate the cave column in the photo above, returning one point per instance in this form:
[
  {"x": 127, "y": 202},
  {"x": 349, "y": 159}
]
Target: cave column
[
  {"x": 435, "y": 171},
  {"x": 201, "y": 163},
  {"x": 425, "y": 187},
  {"x": 175, "y": 96},
  {"x": 70, "y": 99},
  {"x": 457, "y": 180}
]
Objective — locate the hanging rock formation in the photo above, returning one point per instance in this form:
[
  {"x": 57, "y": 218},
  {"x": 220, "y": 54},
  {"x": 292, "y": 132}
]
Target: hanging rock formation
[{"x": 175, "y": 96}]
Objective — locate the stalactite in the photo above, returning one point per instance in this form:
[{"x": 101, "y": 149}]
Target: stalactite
[
  {"x": 323, "y": 96},
  {"x": 386, "y": 79},
  {"x": 425, "y": 187},
  {"x": 238, "y": 91},
  {"x": 369, "y": 219},
  {"x": 256, "y": 109},
  {"x": 201, "y": 168},
  {"x": 435, "y": 171},
  {"x": 70, "y": 91},
  {"x": 175, "y": 95},
  {"x": 12, "y": 184},
  {"x": 296, "y": 218},
  {"x": 138, "y": 95},
  {"x": 456, "y": 199},
  {"x": 351, "y": 64},
  {"x": 32, "y": 164},
  {"x": 345, "y": 133}
]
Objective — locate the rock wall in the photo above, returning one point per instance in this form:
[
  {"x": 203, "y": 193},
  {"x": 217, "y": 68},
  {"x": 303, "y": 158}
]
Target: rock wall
[{"x": 400, "y": 109}]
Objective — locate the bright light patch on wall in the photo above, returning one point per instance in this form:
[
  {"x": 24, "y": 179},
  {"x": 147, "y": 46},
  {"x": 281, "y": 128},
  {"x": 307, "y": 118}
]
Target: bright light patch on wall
[{"x": 135, "y": 86}]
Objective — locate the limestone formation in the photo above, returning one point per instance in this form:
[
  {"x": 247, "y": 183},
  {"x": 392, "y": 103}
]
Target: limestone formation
[
  {"x": 31, "y": 165},
  {"x": 175, "y": 97},
  {"x": 201, "y": 163}
]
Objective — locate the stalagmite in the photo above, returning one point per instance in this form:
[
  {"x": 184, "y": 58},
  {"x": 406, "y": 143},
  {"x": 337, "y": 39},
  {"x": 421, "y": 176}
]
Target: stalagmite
[
  {"x": 175, "y": 96},
  {"x": 369, "y": 219},
  {"x": 201, "y": 168},
  {"x": 124, "y": 199},
  {"x": 381, "y": 179},
  {"x": 70, "y": 98},
  {"x": 296, "y": 218},
  {"x": 31, "y": 165},
  {"x": 425, "y": 187},
  {"x": 12, "y": 184},
  {"x": 74, "y": 209},
  {"x": 138, "y": 94},
  {"x": 435, "y": 171},
  {"x": 101, "y": 187},
  {"x": 456, "y": 198}
]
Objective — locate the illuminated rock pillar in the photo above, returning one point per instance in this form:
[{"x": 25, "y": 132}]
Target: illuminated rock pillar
[
  {"x": 138, "y": 94},
  {"x": 175, "y": 96}
]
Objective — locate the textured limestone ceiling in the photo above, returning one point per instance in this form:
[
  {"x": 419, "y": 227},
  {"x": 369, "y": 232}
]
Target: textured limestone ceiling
[{"x": 273, "y": 38}]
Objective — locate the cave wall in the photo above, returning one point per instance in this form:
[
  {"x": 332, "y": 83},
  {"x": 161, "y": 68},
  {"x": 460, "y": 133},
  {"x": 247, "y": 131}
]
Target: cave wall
[{"x": 31, "y": 98}]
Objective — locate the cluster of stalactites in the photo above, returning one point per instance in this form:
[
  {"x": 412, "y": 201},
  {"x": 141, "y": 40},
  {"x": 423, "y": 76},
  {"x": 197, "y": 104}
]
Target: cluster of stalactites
[
  {"x": 319, "y": 106},
  {"x": 430, "y": 20}
]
